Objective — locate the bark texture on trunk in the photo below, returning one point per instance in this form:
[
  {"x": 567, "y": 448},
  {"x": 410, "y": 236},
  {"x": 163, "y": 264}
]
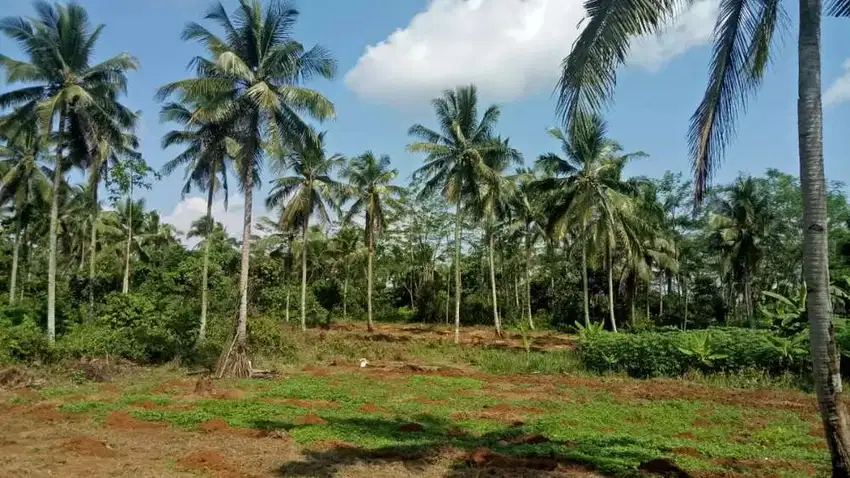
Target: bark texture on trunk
[
  {"x": 457, "y": 272},
  {"x": 202, "y": 331},
  {"x": 304, "y": 273},
  {"x": 13, "y": 281},
  {"x": 611, "y": 286},
  {"x": 584, "y": 282},
  {"x": 53, "y": 233},
  {"x": 825, "y": 360},
  {"x": 496, "y": 320}
]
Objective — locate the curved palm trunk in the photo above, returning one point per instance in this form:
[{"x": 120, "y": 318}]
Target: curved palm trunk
[
  {"x": 584, "y": 282},
  {"x": 457, "y": 272},
  {"x": 528, "y": 282},
  {"x": 496, "y": 320},
  {"x": 825, "y": 362},
  {"x": 15, "y": 254},
  {"x": 125, "y": 288},
  {"x": 304, "y": 273},
  {"x": 205, "y": 273},
  {"x": 369, "y": 280},
  {"x": 611, "y": 286},
  {"x": 53, "y": 233}
]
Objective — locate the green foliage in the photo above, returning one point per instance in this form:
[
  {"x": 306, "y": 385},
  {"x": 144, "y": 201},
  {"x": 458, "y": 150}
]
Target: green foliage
[
  {"x": 23, "y": 341},
  {"x": 675, "y": 353}
]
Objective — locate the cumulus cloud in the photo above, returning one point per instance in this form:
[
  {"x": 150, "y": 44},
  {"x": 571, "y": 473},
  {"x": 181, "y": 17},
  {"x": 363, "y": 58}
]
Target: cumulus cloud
[
  {"x": 509, "y": 48},
  {"x": 192, "y": 208},
  {"x": 839, "y": 90}
]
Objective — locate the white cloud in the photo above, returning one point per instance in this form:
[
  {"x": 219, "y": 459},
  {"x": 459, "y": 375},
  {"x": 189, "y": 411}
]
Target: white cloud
[
  {"x": 192, "y": 208},
  {"x": 509, "y": 48},
  {"x": 839, "y": 90}
]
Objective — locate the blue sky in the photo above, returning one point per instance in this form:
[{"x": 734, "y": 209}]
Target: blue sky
[{"x": 511, "y": 50}]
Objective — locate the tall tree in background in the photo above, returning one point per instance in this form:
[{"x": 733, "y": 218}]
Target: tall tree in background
[
  {"x": 310, "y": 190},
  {"x": 455, "y": 157},
  {"x": 205, "y": 162},
  {"x": 251, "y": 81},
  {"x": 743, "y": 38},
  {"x": 369, "y": 183},
  {"x": 61, "y": 82}
]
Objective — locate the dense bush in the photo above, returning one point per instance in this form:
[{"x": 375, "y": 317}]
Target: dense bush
[
  {"x": 22, "y": 340},
  {"x": 674, "y": 353}
]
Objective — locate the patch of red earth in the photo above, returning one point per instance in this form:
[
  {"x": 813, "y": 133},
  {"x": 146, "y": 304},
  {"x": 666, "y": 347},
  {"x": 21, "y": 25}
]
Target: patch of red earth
[
  {"x": 45, "y": 413},
  {"x": 411, "y": 428},
  {"x": 174, "y": 386},
  {"x": 88, "y": 446},
  {"x": 214, "y": 425},
  {"x": 122, "y": 421},
  {"x": 316, "y": 371},
  {"x": 310, "y": 419},
  {"x": 108, "y": 387},
  {"x": 429, "y": 401},
  {"x": 701, "y": 423},
  {"x": 688, "y": 451},
  {"x": 372, "y": 408},
  {"x": 326, "y": 445},
  {"x": 459, "y": 416},
  {"x": 486, "y": 458},
  {"x": 685, "y": 435},
  {"x": 527, "y": 439},
  {"x": 227, "y": 394},
  {"x": 769, "y": 466},
  {"x": 29, "y": 394},
  {"x": 209, "y": 461},
  {"x": 146, "y": 404}
]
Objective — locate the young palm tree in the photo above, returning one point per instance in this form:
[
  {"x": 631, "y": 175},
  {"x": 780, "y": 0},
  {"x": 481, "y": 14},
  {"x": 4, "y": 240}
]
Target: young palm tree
[
  {"x": 204, "y": 159},
  {"x": 24, "y": 181},
  {"x": 740, "y": 224},
  {"x": 586, "y": 194},
  {"x": 528, "y": 223},
  {"x": 744, "y": 35},
  {"x": 252, "y": 81},
  {"x": 455, "y": 157},
  {"x": 61, "y": 83},
  {"x": 309, "y": 191},
  {"x": 343, "y": 250},
  {"x": 369, "y": 181}
]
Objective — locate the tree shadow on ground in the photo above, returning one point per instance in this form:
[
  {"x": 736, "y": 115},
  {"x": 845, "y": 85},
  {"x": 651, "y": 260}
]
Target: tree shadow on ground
[{"x": 508, "y": 451}]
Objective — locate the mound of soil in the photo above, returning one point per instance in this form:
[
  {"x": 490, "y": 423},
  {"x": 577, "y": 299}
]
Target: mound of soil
[
  {"x": 371, "y": 408},
  {"x": 146, "y": 404},
  {"x": 204, "y": 385},
  {"x": 214, "y": 425},
  {"x": 14, "y": 377},
  {"x": 411, "y": 427},
  {"x": 88, "y": 446},
  {"x": 122, "y": 421},
  {"x": 663, "y": 467},
  {"x": 210, "y": 461},
  {"x": 310, "y": 419},
  {"x": 45, "y": 413}
]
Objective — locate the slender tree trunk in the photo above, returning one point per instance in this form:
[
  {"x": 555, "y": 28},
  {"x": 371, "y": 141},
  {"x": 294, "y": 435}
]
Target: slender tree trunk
[
  {"x": 687, "y": 297},
  {"x": 369, "y": 280},
  {"x": 457, "y": 272},
  {"x": 125, "y": 288},
  {"x": 53, "y": 232},
  {"x": 825, "y": 360},
  {"x": 747, "y": 304},
  {"x": 26, "y": 265},
  {"x": 345, "y": 295},
  {"x": 648, "y": 296},
  {"x": 448, "y": 292},
  {"x": 206, "y": 270},
  {"x": 528, "y": 281},
  {"x": 247, "y": 218},
  {"x": 13, "y": 281},
  {"x": 584, "y": 282},
  {"x": 304, "y": 273},
  {"x": 93, "y": 250},
  {"x": 611, "y": 286},
  {"x": 496, "y": 321}
]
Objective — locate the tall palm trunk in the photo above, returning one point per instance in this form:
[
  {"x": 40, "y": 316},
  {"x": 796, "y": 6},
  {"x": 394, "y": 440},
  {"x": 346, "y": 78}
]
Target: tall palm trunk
[
  {"x": 205, "y": 272},
  {"x": 125, "y": 288},
  {"x": 496, "y": 320},
  {"x": 611, "y": 286},
  {"x": 345, "y": 295},
  {"x": 304, "y": 272},
  {"x": 457, "y": 272},
  {"x": 242, "y": 323},
  {"x": 528, "y": 281},
  {"x": 826, "y": 365},
  {"x": 584, "y": 282},
  {"x": 13, "y": 281},
  {"x": 53, "y": 232},
  {"x": 93, "y": 249},
  {"x": 369, "y": 280}
]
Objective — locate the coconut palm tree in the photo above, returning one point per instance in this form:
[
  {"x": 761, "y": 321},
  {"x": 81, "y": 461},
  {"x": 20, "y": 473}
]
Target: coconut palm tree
[
  {"x": 252, "y": 81},
  {"x": 309, "y": 191},
  {"x": 455, "y": 157},
  {"x": 368, "y": 181},
  {"x": 744, "y": 36},
  {"x": 343, "y": 250},
  {"x": 24, "y": 181},
  {"x": 528, "y": 223},
  {"x": 587, "y": 195},
  {"x": 205, "y": 161},
  {"x": 61, "y": 83}
]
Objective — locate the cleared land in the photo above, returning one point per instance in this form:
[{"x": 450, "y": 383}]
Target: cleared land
[{"x": 431, "y": 414}]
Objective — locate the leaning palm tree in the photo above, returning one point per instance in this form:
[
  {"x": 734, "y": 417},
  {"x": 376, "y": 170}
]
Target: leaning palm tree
[
  {"x": 368, "y": 180},
  {"x": 251, "y": 81},
  {"x": 61, "y": 83},
  {"x": 205, "y": 160},
  {"x": 455, "y": 156},
  {"x": 24, "y": 181},
  {"x": 309, "y": 191},
  {"x": 744, "y": 36},
  {"x": 587, "y": 195}
]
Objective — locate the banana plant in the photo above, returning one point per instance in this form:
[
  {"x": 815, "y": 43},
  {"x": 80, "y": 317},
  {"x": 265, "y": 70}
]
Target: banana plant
[{"x": 701, "y": 348}]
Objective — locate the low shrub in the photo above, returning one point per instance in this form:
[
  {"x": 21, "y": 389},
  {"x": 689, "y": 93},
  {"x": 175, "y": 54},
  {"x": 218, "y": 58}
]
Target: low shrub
[
  {"x": 675, "y": 353},
  {"x": 23, "y": 341}
]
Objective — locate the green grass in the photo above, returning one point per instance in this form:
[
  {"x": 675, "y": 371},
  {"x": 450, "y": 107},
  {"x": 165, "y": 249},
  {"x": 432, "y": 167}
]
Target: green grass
[{"x": 587, "y": 425}]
